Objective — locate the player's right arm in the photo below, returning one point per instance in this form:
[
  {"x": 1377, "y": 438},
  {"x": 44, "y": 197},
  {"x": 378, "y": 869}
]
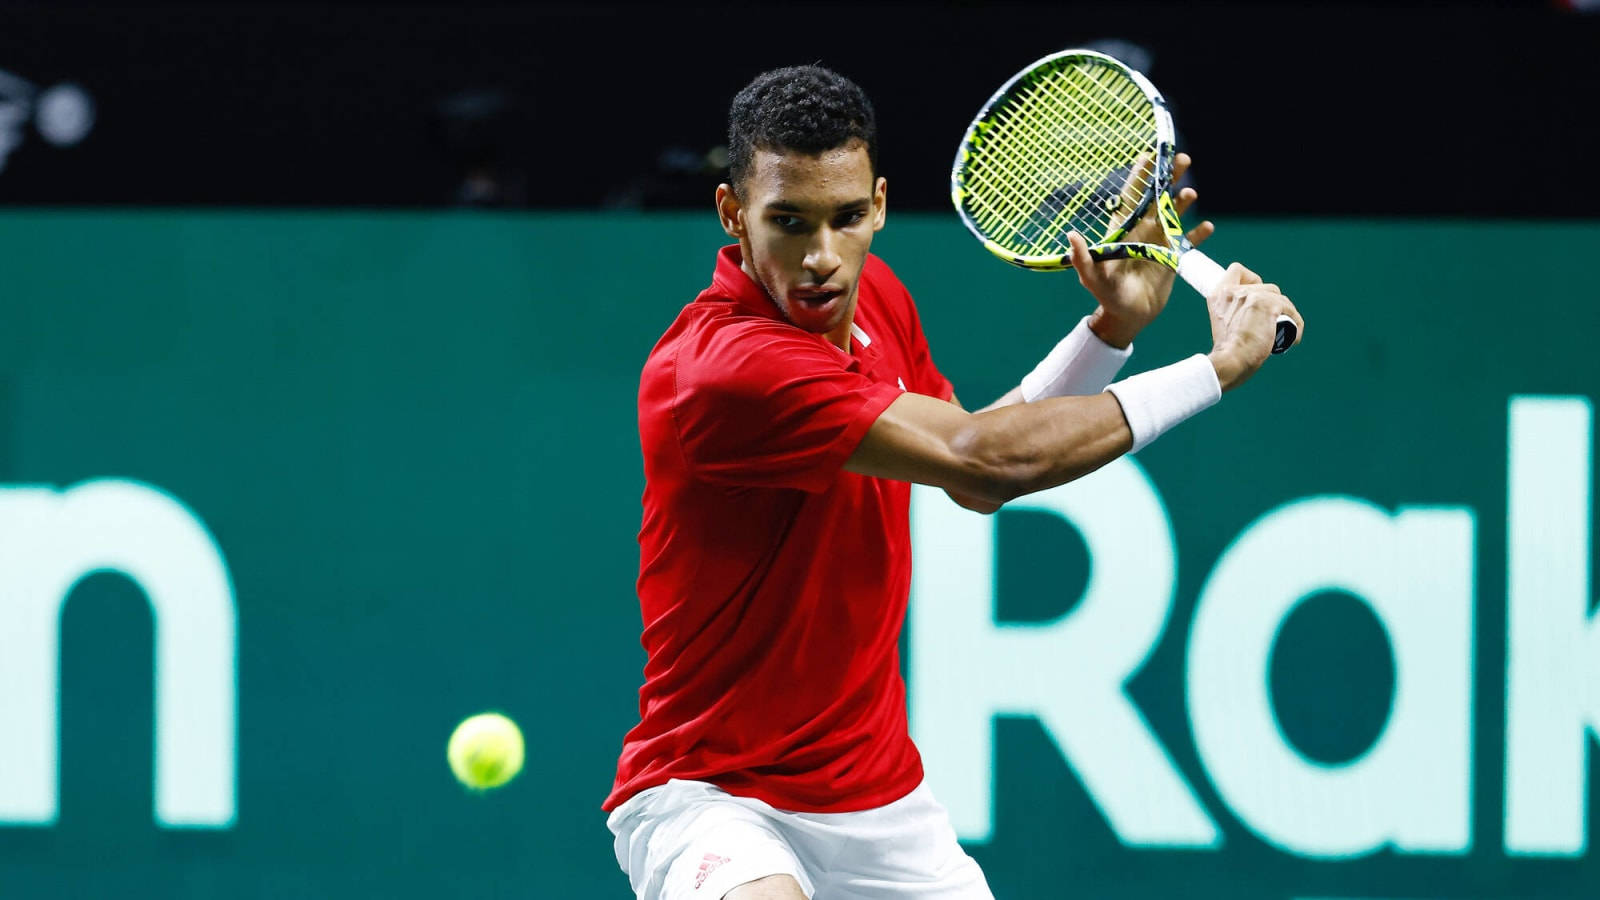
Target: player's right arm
[
  {"x": 1006, "y": 452},
  {"x": 996, "y": 455}
]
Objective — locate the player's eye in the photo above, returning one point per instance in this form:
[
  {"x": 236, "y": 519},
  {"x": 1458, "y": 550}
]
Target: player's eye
[
  {"x": 850, "y": 218},
  {"x": 791, "y": 224}
]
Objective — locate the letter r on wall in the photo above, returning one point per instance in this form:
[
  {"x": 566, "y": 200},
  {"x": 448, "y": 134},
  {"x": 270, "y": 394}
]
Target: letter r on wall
[{"x": 967, "y": 668}]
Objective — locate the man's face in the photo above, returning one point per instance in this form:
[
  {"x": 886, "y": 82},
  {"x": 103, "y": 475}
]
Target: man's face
[{"x": 804, "y": 225}]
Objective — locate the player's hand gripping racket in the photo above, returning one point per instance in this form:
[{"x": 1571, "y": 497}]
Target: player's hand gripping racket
[{"x": 1077, "y": 142}]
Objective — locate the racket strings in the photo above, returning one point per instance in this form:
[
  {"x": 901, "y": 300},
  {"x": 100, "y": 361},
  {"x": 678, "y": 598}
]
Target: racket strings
[
  {"x": 1018, "y": 171},
  {"x": 1077, "y": 151},
  {"x": 1062, "y": 153},
  {"x": 998, "y": 187},
  {"x": 1082, "y": 193},
  {"x": 997, "y": 206},
  {"x": 1015, "y": 169},
  {"x": 1083, "y": 114},
  {"x": 1000, "y": 209}
]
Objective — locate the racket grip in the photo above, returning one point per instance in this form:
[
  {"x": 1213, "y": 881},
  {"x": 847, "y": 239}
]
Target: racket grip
[
  {"x": 1200, "y": 270},
  {"x": 1287, "y": 332},
  {"x": 1203, "y": 274}
]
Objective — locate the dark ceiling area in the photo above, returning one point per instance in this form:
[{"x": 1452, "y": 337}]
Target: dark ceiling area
[{"x": 1321, "y": 109}]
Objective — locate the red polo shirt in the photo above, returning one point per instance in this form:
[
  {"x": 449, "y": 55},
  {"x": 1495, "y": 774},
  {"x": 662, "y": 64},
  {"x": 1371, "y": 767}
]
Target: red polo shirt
[{"x": 773, "y": 583}]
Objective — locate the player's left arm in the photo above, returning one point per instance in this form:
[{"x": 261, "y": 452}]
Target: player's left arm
[{"x": 1130, "y": 294}]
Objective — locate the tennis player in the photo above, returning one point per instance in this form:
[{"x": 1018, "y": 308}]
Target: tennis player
[{"x": 783, "y": 417}]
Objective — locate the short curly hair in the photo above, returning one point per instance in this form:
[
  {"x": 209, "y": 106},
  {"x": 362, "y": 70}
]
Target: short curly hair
[{"x": 808, "y": 109}]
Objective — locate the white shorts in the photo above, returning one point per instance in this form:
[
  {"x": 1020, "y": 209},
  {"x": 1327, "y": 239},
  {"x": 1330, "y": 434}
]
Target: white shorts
[{"x": 687, "y": 840}]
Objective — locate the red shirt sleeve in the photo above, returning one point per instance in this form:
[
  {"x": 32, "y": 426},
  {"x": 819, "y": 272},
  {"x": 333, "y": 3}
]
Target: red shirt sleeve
[
  {"x": 765, "y": 405},
  {"x": 925, "y": 377},
  {"x": 924, "y": 373}
]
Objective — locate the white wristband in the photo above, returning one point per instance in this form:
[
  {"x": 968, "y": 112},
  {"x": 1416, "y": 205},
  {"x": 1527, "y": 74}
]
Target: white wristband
[
  {"x": 1156, "y": 400},
  {"x": 1080, "y": 364}
]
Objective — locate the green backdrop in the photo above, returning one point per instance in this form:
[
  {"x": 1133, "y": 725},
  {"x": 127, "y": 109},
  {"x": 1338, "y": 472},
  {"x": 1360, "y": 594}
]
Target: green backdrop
[{"x": 412, "y": 439}]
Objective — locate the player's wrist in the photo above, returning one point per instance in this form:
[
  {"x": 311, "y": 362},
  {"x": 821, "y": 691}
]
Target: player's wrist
[
  {"x": 1230, "y": 366},
  {"x": 1081, "y": 363},
  {"x": 1116, "y": 331},
  {"x": 1154, "y": 402}
]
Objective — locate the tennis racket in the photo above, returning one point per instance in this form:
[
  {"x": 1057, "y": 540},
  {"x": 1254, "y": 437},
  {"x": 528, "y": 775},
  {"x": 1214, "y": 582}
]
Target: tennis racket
[{"x": 1077, "y": 142}]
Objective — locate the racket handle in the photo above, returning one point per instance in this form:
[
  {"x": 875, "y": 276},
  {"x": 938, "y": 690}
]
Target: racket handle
[
  {"x": 1200, "y": 270},
  {"x": 1287, "y": 331},
  {"x": 1203, "y": 274}
]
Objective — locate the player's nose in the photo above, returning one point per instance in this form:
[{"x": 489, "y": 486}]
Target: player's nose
[{"x": 822, "y": 257}]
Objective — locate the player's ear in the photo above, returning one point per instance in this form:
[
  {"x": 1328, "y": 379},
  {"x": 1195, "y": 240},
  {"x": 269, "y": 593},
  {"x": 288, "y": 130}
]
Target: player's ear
[
  {"x": 730, "y": 211},
  {"x": 880, "y": 202}
]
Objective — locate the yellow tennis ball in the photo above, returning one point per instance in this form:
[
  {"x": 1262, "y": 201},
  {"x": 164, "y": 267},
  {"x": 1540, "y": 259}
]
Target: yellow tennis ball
[{"x": 485, "y": 751}]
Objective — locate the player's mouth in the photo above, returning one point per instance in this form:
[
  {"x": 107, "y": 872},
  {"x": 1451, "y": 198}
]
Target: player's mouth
[
  {"x": 815, "y": 308},
  {"x": 815, "y": 300}
]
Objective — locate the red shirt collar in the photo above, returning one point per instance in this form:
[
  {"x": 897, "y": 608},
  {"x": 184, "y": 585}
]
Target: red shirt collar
[{"x": 730, "y": 282}]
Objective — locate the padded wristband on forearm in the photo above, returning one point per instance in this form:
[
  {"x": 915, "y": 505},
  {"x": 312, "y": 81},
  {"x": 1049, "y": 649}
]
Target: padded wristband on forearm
[
  {"x": 1156, "y": 400},
  {"x": 1081, "y": 364}
]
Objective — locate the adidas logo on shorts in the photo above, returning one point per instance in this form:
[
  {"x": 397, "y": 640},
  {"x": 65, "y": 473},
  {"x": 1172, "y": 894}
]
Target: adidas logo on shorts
[{"x": 708, "y": 864}]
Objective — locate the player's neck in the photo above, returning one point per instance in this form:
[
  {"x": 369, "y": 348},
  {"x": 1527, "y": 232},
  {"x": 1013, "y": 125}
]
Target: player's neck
[{"x": 840, "y": 337}]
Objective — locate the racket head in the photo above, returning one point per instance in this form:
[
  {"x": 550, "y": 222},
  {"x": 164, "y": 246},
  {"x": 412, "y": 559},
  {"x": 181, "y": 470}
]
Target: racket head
[{"x": 1076, "y": 141}]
